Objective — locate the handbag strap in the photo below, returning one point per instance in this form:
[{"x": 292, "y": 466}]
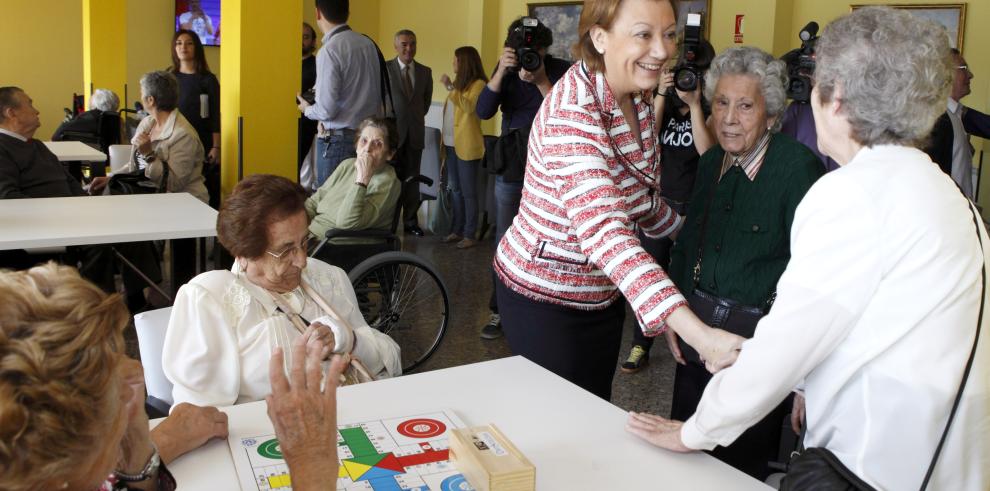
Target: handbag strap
[
  {"x": 696, "y": 271},
  {"x": 972, "y": 354}
]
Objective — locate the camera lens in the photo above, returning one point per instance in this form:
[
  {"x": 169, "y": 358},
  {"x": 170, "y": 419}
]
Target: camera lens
[
  {"x": 686, "y": 79},
  {"x": 530, "y": 60}
]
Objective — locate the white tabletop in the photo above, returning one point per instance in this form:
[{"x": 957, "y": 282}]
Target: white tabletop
[
  {"x": 82, "y": 220},
  {"x": 71, "y": 151},
  {"x": 575, "y": 440}
]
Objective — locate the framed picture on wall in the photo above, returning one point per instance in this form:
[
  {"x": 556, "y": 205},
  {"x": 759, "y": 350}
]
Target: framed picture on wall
[
  {"x": 562, "y": 18},
  {"x": 685, "y": 7},
  {"x": 952, "y": 16}
]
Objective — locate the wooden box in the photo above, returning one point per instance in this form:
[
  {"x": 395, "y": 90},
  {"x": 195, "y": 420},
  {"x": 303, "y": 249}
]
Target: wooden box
[{"x": 489, "y": 461}]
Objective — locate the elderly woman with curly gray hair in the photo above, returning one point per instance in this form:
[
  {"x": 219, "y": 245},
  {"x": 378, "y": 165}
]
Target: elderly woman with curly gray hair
[
  {"x": 736, "y": 240},
  {"x": 878, "y": 315}
]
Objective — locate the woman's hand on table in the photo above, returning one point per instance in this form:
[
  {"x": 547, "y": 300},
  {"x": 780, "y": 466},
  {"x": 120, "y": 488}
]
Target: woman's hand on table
[
  {"x": 304, "y": 415},
  {"x": 662, "y": 432},
  {"x": 187, "y": 428}
]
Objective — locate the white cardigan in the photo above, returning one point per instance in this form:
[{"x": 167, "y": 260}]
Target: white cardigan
[
  {"x": 875, "y": 317},
  {"x": 223, "y": 329}
]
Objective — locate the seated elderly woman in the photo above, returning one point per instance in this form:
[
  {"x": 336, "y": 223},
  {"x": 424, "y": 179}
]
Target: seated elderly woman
[
  {"x": 167, "y": 145},
  {"x": 879, "y": 316},
  {"x": 87, "y": 125},
  {"x": 225, "y": 324},
  {"x": 165, "y": 141},
  {"x": 361, "y": 194},
  {"x": 71, "y": 402},
  {"x": 736, "y": 240}
]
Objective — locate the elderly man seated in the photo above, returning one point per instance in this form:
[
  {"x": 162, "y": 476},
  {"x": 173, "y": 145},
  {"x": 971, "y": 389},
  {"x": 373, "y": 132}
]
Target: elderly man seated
[{"x": 29, "y": 170}]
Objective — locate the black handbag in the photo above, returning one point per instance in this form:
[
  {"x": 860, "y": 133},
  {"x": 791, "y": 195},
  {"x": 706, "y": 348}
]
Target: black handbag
[
  {"x": 508, "y": 155},
  {"x": 137, "y": 182},
  {"x": 131, "y": 183},
  {"x": 818, "y": 469}
]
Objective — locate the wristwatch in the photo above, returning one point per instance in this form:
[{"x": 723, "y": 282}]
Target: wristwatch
[{"x": 149, "y": 470}]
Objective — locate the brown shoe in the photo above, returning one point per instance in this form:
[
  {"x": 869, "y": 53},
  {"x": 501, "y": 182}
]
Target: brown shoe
[
  {"x": 467, "y": 243},
  {"x": 451, "y": 238}
]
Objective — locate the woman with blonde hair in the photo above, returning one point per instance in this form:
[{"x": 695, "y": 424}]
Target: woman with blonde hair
[
  {"x": 71, "y": 402},
  {"x": 464, "y": 157},
  {"x": 592, "y": 179}
]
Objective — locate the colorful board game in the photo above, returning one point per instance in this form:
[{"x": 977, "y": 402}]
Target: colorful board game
[{"x": 398, "y": 454}]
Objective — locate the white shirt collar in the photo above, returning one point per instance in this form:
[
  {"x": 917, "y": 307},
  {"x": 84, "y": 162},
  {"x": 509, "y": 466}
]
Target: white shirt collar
[
  {"x": 402, "y": 65},
  {"x": 953, "y": 106},
  {"x": 15, "y": 135}
]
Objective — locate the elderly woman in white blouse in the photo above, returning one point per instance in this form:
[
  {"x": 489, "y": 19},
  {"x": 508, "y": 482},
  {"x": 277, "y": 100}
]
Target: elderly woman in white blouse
[
  {"x": 884, "y": 282},
  {"x": 225, "y": 324}
]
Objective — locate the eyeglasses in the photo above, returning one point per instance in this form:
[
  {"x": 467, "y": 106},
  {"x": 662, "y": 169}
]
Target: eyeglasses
[
  {"x": 287, "y": 253},
  {"x": 964, "y": 68}
]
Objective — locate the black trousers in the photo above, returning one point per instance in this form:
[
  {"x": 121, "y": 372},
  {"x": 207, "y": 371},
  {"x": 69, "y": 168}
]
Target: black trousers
[
  {"x": 183, "y": 261},
  {"x": 757, "y": 446},
  {"x": 580, "y": 346},
  {"x": 407, "y": 164}
]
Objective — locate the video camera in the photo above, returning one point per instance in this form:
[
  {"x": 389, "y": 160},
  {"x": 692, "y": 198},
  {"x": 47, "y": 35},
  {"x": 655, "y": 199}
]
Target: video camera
[
  {"x": 687, "y": 73},
  {"x": 801, "y": 65},
  {"x": 523, "y": 39}
]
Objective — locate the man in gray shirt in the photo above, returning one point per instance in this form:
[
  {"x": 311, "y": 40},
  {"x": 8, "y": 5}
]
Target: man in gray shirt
[{"x": 348, "y": 86}]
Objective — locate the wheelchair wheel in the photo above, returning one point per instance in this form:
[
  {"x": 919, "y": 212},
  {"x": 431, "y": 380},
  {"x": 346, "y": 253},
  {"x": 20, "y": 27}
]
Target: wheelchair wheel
[{"x": 401, "y": 295}]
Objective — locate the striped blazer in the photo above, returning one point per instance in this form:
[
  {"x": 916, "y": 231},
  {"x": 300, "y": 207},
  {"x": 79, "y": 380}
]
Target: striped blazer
[{"x": 588, "y": 186}]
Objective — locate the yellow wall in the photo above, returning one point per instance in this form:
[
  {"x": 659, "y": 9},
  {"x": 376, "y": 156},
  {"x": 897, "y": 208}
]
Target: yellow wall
[{"x": 42, "y": 54}]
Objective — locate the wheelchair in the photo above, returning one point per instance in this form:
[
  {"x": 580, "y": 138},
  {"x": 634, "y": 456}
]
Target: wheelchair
[{"x": 398, "y": 293}]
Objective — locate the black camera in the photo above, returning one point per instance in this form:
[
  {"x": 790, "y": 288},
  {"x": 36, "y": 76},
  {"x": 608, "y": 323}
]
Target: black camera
[
  {"x": 801, "y": 65},
  {"x": 310, "y": 96},
  {"x": 523, "y": 39},
  {"x": 687, "y": 73}
]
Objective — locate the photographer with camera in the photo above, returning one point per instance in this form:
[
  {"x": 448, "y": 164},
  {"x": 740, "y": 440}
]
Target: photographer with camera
[
  {"x": 685, "y": 134},
  {"x": 524, "y": 75},
  {"x": 798, "y": 121}
]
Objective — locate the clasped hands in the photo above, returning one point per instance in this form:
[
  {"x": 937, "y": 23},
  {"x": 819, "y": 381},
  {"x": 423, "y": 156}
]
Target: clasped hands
[{"x": 718, "y": 349}]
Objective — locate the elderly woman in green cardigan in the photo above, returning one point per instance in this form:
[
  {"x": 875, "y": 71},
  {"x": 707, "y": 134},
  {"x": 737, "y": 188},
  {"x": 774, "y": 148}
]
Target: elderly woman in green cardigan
[
  {"x": 361, "y": 194},
  {"x": 735, "y": 242}
]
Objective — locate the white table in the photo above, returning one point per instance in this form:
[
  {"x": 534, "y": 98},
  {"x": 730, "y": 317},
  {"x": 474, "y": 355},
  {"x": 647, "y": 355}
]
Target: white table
[
  {"x": 85, "y": 220},
  {"x": 575, "y": 440},
  {"x": 73, "y": 151}
]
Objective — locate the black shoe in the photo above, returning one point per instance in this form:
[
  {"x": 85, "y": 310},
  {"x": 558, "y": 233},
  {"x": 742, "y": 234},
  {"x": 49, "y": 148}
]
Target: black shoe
[
  {"x": 492, "y": 330},
  {"x": 638, "y": 358},
  {"x": 415, "y": 230}
]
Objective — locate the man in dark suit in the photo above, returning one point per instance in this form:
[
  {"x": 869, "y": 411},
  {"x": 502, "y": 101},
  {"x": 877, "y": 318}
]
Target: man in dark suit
[
  {"x": 412, "y": 92},
  {"x": 307, "y": 127}
]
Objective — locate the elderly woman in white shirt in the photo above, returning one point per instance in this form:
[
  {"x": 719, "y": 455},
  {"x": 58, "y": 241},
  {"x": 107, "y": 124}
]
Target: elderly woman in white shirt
[
  {"x": 884, "y": 280},
  {"x": 225, "y": 324}
]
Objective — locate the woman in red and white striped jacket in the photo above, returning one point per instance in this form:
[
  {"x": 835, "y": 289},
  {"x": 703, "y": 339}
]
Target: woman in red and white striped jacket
[{"x": 591, "y": 178}]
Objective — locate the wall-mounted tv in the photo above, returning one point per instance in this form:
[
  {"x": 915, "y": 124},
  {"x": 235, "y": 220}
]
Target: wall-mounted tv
[{"x": 201, "y": 17}]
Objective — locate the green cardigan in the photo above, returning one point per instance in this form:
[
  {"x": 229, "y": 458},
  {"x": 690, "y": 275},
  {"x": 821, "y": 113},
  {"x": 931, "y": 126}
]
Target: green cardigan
[
  {"x": 747, "y": 244},
  {"x": 342, "y": 204}
]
